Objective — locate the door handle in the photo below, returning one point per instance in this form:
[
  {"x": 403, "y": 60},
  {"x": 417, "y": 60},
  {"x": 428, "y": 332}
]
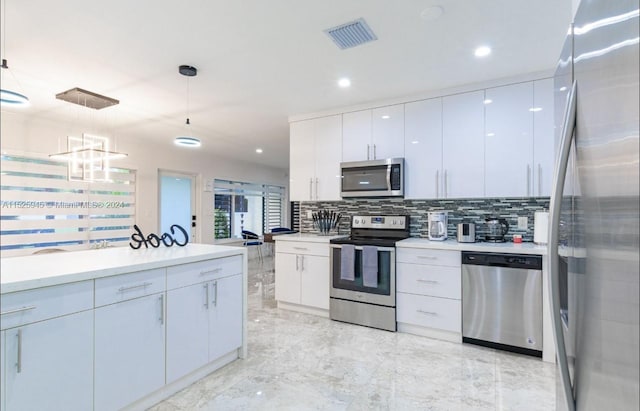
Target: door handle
[
  {"x": 560, "y": 174},
  {"x": 206, "y": 295},
  {"x": 420, "y": 280},
  {"x": 19, "y": 359},
  {"x": 297, "y": 268},
  {"x": 302, "y": 264},
  {"x": 431, "y": 313},
  {"x": 161, "y": 309},
  {"x": 446, "y": 194},
  {"x": 133, "y": 287},
  {"x": 215, "y": 294}
]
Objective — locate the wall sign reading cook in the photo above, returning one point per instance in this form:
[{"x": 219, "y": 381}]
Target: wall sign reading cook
[{"x": 138, "y": 238}]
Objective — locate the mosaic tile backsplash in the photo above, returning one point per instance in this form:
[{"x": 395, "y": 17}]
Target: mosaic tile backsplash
[{"x": 459, "y": 211}]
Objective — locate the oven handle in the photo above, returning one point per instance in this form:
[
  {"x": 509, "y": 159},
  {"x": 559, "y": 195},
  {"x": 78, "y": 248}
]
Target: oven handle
[{"x": 359, "y": 247}]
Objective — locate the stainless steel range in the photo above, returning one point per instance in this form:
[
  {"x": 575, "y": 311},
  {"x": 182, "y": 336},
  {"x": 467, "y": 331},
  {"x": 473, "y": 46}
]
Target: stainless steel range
[{"x": 363, "y": 271}]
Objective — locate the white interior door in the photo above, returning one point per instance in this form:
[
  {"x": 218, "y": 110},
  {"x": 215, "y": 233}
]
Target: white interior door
[{"x": 177, "y": 202}]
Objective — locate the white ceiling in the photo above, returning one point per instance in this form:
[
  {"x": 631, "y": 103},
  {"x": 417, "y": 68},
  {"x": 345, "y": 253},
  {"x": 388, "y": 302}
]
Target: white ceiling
[{"x": 259, "y": 61}]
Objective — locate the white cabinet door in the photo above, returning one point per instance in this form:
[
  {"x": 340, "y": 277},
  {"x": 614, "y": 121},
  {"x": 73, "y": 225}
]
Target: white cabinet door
[
  {"x": 463, "y": 145},
  {"x": 129, "y": 351},
  {"x": 328, "y": 142},
  {"x": 225, "y": 316},
  {"x": 287, "y": 275},
  {"x": 509, "y": 140},
  {"x": 314, "y": 281},
  {"x": 3, "y": 344},
  {"x": 543, "y": 137},
  {"x": 49, "y": 364},
  {"x": 356, "y": 136},
  {"x": 423, "y": 149},
  {"x": 301, "y": 160},
  {"x": 187, "y": 329},
  {"x": 388, "y": 132}
]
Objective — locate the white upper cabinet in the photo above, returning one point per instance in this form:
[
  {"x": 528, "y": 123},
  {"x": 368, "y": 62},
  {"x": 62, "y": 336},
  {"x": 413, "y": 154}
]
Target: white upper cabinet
[
  {"x": 315, "y": 159},
  {"x": 463, "y": 145},
  {"x": 509, "y": 141},
  {"x": 543, "y": 137},
  {"x": 373, "y": 134},
  {"x": 423, "y": 149},
  {"x": 388, "y": 132},
  {"x": 356, "y": 136}
]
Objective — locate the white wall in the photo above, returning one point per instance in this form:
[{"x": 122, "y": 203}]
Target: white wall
[{"x": 24, "y": 134}]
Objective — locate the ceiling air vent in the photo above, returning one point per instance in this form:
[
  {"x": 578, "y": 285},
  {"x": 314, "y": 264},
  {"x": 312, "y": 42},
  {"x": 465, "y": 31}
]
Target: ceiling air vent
[
  {"x": 351, "y": 34},
  {"x": 86, "y": 98}
]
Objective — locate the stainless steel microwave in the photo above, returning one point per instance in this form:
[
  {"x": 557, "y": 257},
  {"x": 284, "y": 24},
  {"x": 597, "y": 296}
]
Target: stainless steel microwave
[{"x": 373, "y": 178}]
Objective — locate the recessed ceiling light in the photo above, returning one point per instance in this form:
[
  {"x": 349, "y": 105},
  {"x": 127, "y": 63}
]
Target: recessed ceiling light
[
  {"x": 415, "y": 142},
  {"x": 258, "y": 150},
  {"x": 344, "y": 82},
  {"x": 187, "y": 142},
  {"x": 385, "y": 117},
  {"x": 535, "y": 109},
  {"x": 488, "y": 101},
  {"x": 431, "y": 13},
  {"x": 491, "y": 134},
  {"x": 482, "y": 51}
]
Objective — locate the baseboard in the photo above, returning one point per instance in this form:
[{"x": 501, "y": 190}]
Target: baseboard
[
  {"x": 430, "y": 332},
  {"x": 304, "y": 309}
]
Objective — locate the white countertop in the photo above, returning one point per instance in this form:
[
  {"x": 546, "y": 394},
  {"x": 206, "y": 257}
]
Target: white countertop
[
  {"x": 309, "y": 237},
  {"x": 34, "y": 271},
  {"x": 523, "y": 248}
]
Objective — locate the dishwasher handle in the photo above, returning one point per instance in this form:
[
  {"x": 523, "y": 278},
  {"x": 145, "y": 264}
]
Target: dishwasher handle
[{"x": 524, "y": 261}]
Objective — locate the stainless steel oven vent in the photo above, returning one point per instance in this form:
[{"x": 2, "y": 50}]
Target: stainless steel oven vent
[
  {"x": 86, "y": 98},
  {"x": 351, "y": 34}
]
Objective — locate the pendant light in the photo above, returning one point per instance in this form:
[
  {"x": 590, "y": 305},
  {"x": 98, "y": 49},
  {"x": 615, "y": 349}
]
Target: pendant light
[
  {"x": 187, "y": 141},
  {"x": 9, "y": 97}
]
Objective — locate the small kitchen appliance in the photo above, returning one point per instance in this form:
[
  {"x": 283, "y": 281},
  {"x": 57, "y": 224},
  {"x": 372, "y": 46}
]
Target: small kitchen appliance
[
  {"x": 437, "y": 225},
  {"x": 466, "y": 233},
  {"x": 496, "y": 229}
]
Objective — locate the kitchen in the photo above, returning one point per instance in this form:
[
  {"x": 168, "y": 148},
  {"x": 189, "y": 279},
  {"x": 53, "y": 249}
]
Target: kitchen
[{"x": 25, "y": 136}]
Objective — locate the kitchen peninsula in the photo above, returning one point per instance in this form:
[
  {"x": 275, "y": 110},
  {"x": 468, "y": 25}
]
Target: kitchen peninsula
[{"x": 116, "y": 327}]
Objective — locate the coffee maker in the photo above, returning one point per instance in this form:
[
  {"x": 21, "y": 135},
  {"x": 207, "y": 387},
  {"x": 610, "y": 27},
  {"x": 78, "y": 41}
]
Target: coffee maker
[{"x": 437, "y": 225}]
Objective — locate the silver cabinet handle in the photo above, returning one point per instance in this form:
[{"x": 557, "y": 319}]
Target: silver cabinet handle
[
  {"x": 560, "y": 174},
  {"x": 420, "y": 280},
  {"x": 374, "y": 152},
  {"x": 215, "y": 294},
  {"x": 133, "y": 287},
  {"x": 368, "y": 149},
  {"x": 297, "y": 256},
  {"x": 214, "y": 271},
  {"x": 19, "y": 359},
  {"x": 424, "y": 257},
  {"x": 206, "y": 295},
  {"x": 437, "y": 183},
  {"x": 528, "y": 180},
  {"x": 427, "y": 313},
  {"x": 317, "y": 189},
  {"x": 300, "y": 248},
  {"x": 539, "y": 180},
  {"x": 18, "y": 310},
  {"x": 311, "y": 189},
  {"x": 446, "y": 182},
  {"x": 161, "y": 309},
  {"x": 302, "y": 264}
]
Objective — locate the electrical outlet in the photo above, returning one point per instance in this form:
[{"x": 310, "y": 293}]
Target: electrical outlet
[
  {"x": 309, "y": 214},
  {"x": 523, "y": 223}
]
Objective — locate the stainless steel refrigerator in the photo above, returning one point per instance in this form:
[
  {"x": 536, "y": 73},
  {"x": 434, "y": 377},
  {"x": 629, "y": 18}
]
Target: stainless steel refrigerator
[{"x": 594, "y": 213}]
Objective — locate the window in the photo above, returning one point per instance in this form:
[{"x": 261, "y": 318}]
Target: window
[
  {"x": 246, "y": 206},
  {"x": 40, "y": 208}
]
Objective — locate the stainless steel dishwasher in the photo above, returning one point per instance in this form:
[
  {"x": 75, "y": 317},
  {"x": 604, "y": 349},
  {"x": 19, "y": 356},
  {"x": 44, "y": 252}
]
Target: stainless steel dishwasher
[{"x": 502, "y": 301}]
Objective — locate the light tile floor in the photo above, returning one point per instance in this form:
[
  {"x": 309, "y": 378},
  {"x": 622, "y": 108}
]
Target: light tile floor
[{"x": 304, "y": 362}]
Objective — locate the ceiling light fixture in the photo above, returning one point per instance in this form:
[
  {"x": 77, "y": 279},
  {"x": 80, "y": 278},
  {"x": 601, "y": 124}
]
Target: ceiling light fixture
[
  {"x": 88, "y": 157},
  {"x": 385, "y": 117},
  {"x": 185, "y": 141},
  {"x": 488, "y": 101},
  {"x": 535, "y": 109},
  {"x": 482, "y": 51},
  {"x": 344, "y": 82},
  {"x": 259, "y": 150},
  {"x": 8, "y": 97}
]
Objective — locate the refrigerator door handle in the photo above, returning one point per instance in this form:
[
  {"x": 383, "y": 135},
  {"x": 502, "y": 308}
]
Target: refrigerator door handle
[{"x": 566, "y": 138}]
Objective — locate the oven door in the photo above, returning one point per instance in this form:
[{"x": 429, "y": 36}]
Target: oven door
[{"x": 383, "y": 294}]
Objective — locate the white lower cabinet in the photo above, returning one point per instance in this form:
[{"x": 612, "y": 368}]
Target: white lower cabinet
[
  {"x": 429, "y": 292},
  {"x": 2, "y": 370},
  {"x": 225, "y": 317},
  {"x": 129, "y": 351},
  {"x": 48, "y": 365},
  {"x": 302, "y": 274}
]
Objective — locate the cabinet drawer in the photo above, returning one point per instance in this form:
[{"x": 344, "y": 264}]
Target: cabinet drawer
[
  {"x": 435, "y": 281},
  {"x": 124, "y": 287},
  {"x": 432, "y": 312},
  {"x": 293, "y": 247},
  {"x": 24, "y": 307},
  {"x": 431, "y": 257},
  {"x": 194, "y": 273}
]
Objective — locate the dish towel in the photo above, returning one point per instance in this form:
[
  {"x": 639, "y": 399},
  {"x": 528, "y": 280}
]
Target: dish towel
[
  {"x": 347, "y": 262},
  {"x": 370, "y": 266}
]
